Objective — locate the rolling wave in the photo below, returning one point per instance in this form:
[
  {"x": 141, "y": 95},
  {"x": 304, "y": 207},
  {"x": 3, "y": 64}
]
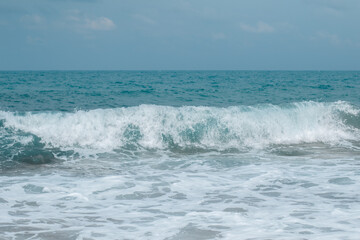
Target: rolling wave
[{"x": 153, "y": 127}]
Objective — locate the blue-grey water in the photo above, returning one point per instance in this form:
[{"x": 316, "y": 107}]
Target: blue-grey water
[{"x": 179, "y": 155}]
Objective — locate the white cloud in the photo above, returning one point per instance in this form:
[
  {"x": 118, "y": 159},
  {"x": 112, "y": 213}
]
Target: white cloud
[
  {"x": 332, "y": 11},
  {"x": 218, "y": 36},
  {"x": 331, "y": 7},
  {"x": 144, "y": 19},
  {"x": 332, "y": 38},
  {"x": 328, "y": 3},
  {"x": 34, "y": 40},
  {"x": 260, "y": 27},
  {"x": 101, "y": 23},
  {"x": 80, "y": 22},
  {"x": 33, "y": 21}
]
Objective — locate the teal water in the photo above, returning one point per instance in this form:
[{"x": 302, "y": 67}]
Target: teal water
[
  {"x": 66, "y": 91},
  {"x": 179, "y": 155}
]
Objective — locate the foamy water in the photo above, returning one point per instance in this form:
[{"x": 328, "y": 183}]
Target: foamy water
[
  {"x": 164, "y": 127},
  {"x": 204, "y": 197}
]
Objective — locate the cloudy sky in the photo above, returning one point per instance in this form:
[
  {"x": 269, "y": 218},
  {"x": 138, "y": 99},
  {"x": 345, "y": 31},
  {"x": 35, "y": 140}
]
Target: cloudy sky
[{"x": 180, "y": 34}]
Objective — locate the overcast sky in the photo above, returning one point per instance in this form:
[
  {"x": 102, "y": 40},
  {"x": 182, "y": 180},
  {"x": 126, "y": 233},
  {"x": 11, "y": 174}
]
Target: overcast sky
[{"x": 180, "y": 34}]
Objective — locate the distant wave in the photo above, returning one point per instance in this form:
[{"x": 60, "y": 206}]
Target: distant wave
[{"x": 153, "y": 127}]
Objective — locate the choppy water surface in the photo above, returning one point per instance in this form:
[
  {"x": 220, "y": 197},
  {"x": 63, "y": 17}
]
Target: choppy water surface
[{"x": 179, "y": 155}]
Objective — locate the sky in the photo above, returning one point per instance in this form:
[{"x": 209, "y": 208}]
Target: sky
[{"x": 180, "y": 35}]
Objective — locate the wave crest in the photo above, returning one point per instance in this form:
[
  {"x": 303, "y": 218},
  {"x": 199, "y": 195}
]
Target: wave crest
[{"x": 165, "y": 127}]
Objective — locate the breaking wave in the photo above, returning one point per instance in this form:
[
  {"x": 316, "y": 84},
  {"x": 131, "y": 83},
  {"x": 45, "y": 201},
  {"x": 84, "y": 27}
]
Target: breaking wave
[{"x": 152, "y": 127}]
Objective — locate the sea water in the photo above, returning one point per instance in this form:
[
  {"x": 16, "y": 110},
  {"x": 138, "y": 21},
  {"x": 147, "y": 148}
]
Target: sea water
[{"x": 179, "y": 155}]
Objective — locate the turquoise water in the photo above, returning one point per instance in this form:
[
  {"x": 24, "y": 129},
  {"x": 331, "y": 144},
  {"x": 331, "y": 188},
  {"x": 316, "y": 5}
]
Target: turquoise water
[
  {"x": 67, "y": 91},
  {"x": 179, "y": 155}
]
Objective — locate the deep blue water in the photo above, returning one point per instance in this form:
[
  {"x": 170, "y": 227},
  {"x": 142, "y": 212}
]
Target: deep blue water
[{"x": 179, "y": 155}]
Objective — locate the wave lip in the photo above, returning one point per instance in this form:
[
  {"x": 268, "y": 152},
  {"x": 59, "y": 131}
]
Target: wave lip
[{"x": 166, "y": 127}]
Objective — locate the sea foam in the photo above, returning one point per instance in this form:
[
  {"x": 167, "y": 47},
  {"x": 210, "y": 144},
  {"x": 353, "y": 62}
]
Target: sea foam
[{"x": 199, "y": 127}]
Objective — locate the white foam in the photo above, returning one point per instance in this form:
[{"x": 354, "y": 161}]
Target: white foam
[
  {"x": 157, "y": 127},
  {"x": 272, "y": 199}
]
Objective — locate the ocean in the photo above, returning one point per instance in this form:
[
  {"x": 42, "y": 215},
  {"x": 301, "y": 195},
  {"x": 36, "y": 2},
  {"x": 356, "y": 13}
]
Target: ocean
[{"x": 179, "y": 155}]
